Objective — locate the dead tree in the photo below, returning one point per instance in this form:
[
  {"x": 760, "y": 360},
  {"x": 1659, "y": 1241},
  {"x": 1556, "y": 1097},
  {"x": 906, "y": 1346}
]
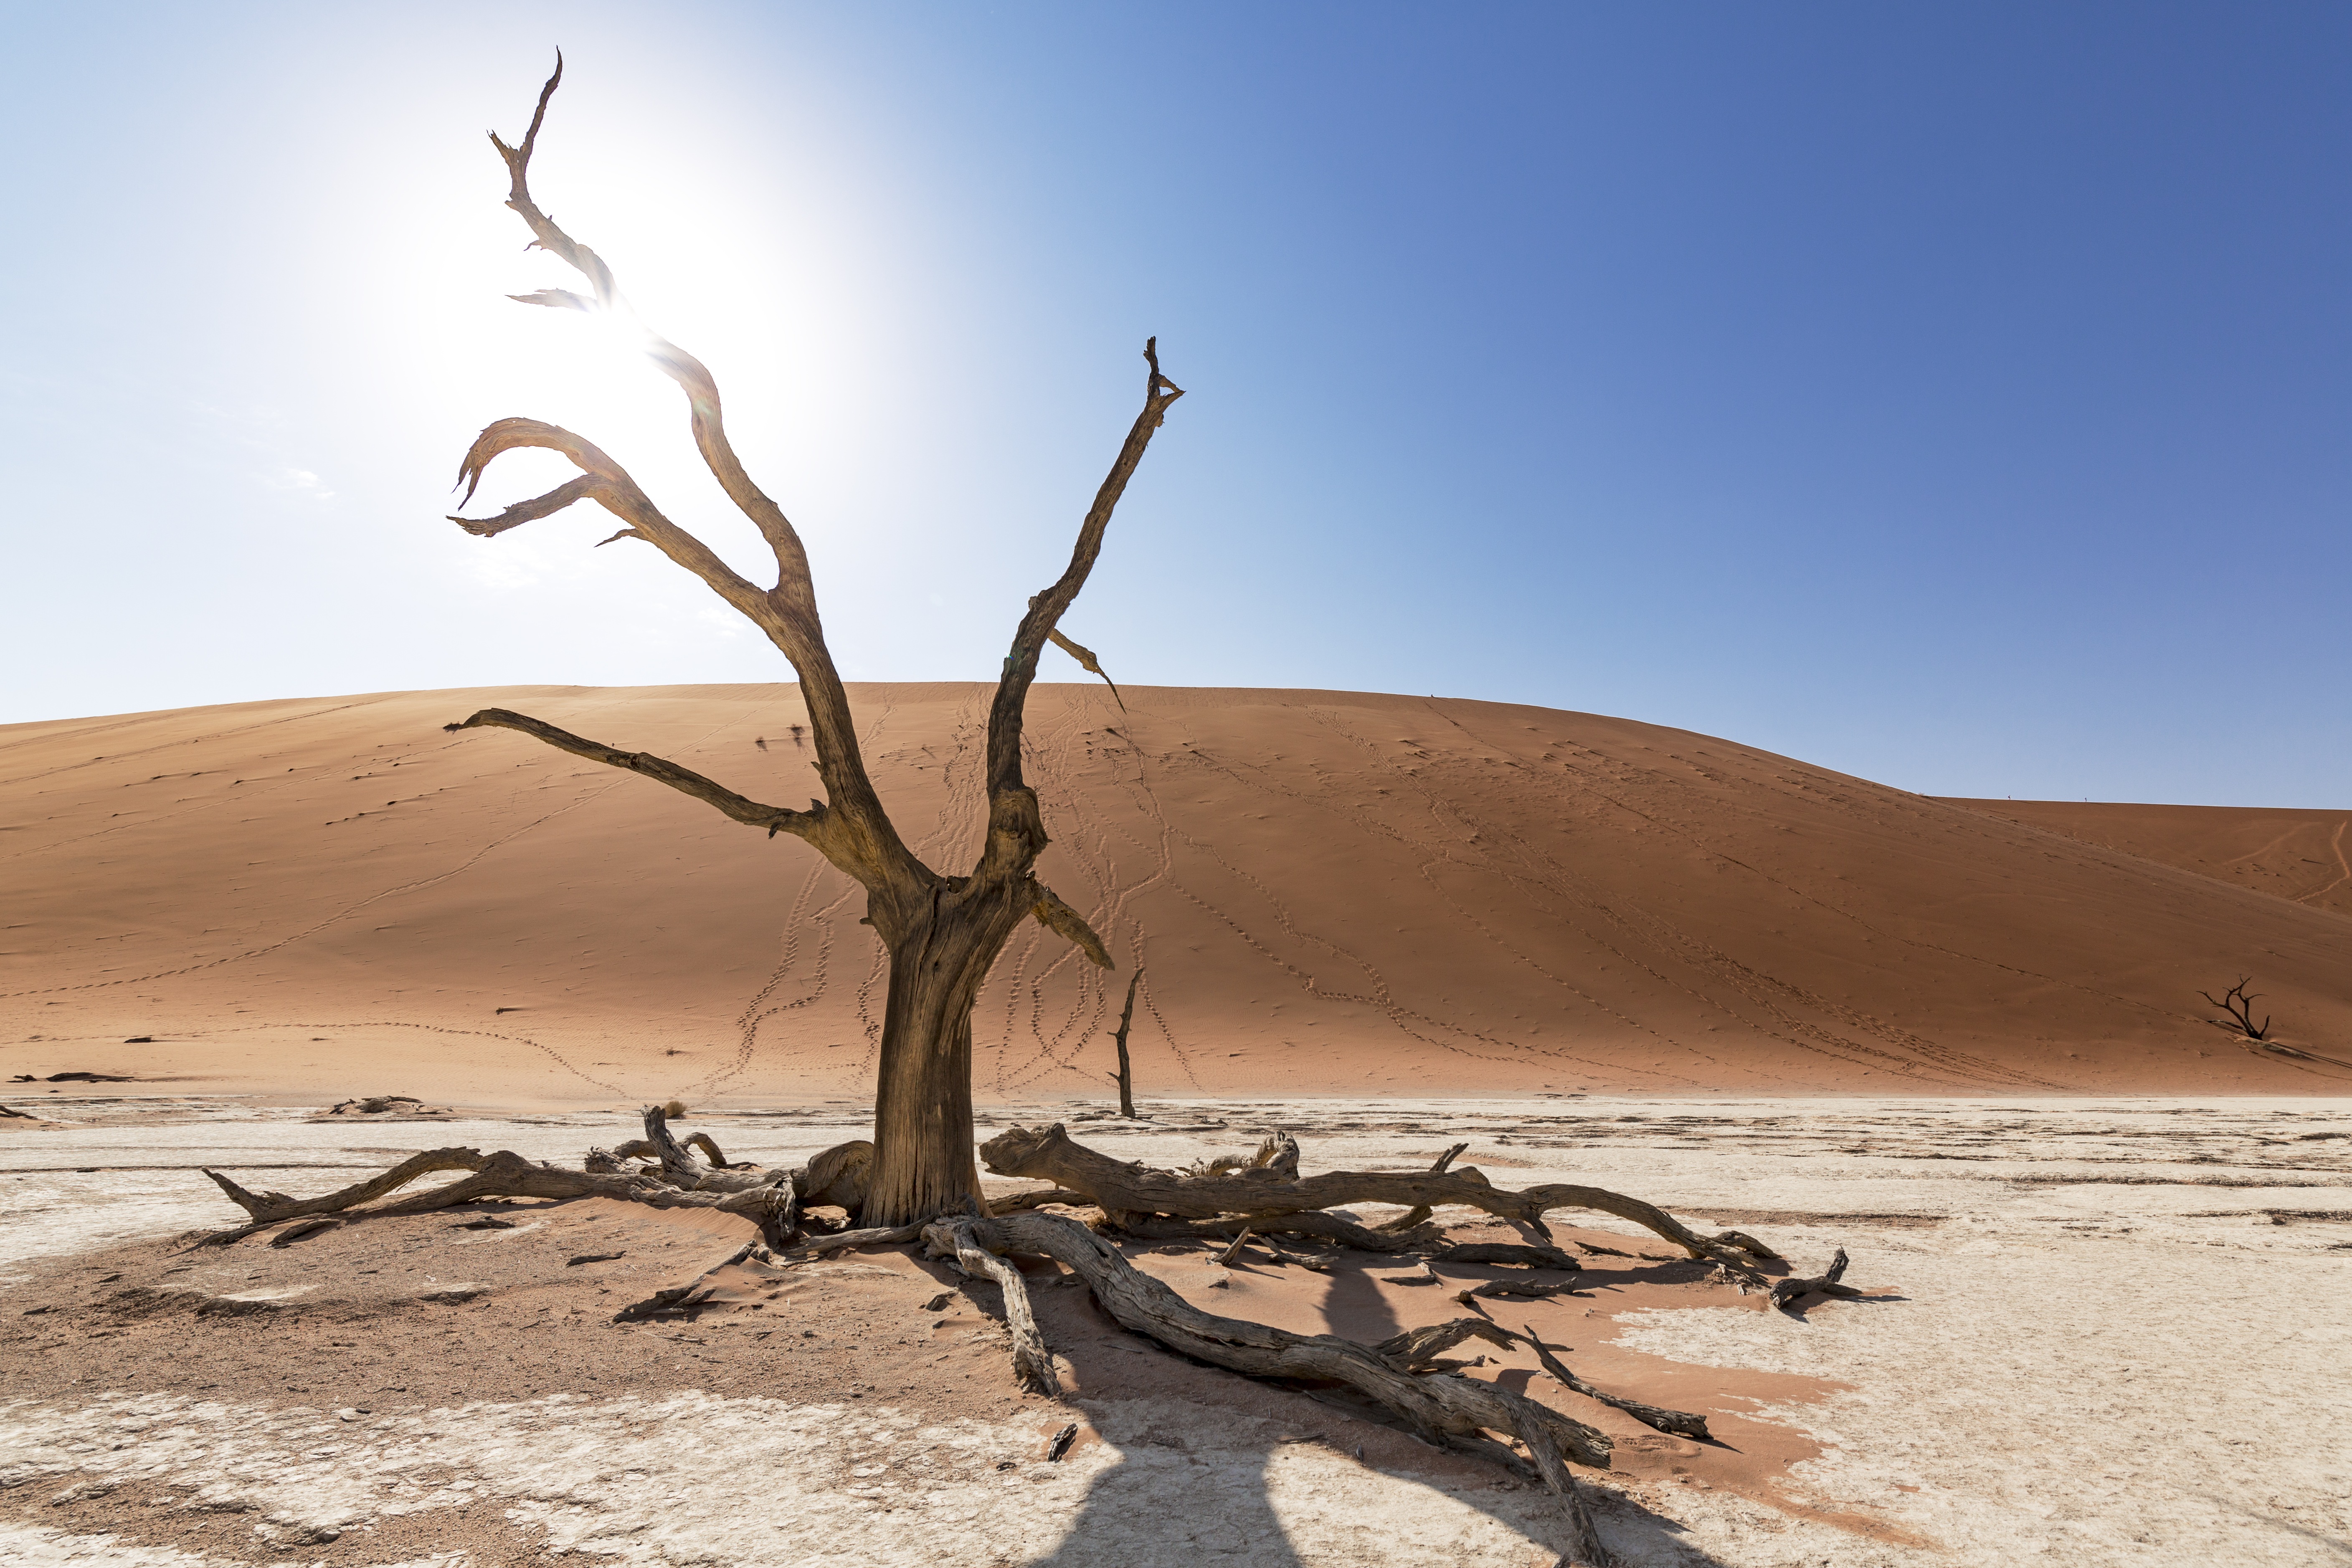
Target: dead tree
[
  {"x": 1126, "y": 1072},
  {"x": 2241, "y": 1008},
  {"x": 941, "y": 931}
]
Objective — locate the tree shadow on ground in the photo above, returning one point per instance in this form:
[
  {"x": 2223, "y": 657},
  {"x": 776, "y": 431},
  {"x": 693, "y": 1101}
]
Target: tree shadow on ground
[{"x": 1198, "y": 1446}]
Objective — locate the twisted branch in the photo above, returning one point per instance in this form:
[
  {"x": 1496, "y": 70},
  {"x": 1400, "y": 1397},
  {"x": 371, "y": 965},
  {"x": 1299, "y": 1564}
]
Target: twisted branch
[
  {"x": 811, "y": 825},
  {"x": 1017, "y": 834}
]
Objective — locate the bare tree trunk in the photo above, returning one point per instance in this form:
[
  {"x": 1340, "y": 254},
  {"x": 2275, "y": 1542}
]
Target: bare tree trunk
[{"x": 923, "y": 1163}]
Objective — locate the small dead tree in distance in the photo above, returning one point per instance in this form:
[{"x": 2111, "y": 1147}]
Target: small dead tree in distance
[
  {"x": 1125, "y": 1068},
  {"x": 942, "y": 931},
  {"x": 2240, "y": 1006}
]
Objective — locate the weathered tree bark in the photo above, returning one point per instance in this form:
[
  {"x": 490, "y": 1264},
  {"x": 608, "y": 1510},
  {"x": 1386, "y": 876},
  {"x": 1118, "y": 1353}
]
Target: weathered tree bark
[{"x": 940, "y": 933}]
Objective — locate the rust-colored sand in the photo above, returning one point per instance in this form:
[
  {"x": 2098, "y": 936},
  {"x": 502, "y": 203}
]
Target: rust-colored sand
[
  {"x": 2305, "y": 856},
  {"x": 1332, "y": 892}
]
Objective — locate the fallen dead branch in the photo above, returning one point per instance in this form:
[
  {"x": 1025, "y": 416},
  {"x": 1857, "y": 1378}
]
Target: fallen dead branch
[
  {"x": 1272, "y": 1189},
  {"x": 1679, "y": 1422},
  {"x": 1827, "y": 1284},
  {"x": 774, "y": 1199},
  {"x": 1507, "y": 1254},
  {"x": 1524, "y": 1287}
]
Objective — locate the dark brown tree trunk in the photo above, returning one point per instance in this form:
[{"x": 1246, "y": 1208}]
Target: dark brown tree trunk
[{"x": 923, "y": 1162}]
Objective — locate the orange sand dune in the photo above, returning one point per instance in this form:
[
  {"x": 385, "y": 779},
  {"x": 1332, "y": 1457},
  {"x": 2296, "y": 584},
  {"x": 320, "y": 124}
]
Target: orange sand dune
[
  {"x": 2305, "y": 856},
  {"x": 1330, "y": 891}
]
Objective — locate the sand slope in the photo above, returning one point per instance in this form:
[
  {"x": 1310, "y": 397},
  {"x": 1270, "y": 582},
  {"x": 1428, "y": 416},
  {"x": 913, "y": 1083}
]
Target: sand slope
[
  {"x": 1331, "y": 891},
  {"x": 2305, "y": 856}
]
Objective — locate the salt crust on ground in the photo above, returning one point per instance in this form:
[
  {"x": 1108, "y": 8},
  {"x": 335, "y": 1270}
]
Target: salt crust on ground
[{"x": 2119, "y": 1342}]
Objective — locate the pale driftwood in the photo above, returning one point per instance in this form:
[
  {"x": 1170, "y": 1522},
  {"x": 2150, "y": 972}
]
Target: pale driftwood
[
  {"x": 1052, "y": 1155},
  {"x": 1786, "y": 1291},
  {"x": 959, "y": 1239},
  {"x": 1681, "y": 1423},
  {"x": 940, "y": 932},
  {"x": 1443, "y": 1409}
]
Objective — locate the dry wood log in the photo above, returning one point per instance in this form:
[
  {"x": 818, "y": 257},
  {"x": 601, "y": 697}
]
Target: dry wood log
[
  {"x": 1324, "y": 1227},
  {"x": 1787, "y": 1291},
  {"x": 1748, "y": 1244},
  {"x": 1225, "y": 1258},
  {"x": 1415, "y": 1216},
  {"x": 1527, "y": 1288},
  {"x": 1287, "y": 1256},
  {"x": 1511, "y": 1255},
  {"x": 876, "y": 1236},
  {"x": 504, "y": 1175},
  {"x": 1033, "y": 1363},
  {"x": 1444, "y": 1408},
  {"x": 1679, "y": 1422},
  {"x": 1052, "y": 1155},
  {"x": 1037, "y": 1197}
]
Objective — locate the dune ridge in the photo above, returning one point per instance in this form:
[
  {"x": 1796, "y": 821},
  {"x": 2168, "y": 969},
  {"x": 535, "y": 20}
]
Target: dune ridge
[{"x": 1332, "y": 892}]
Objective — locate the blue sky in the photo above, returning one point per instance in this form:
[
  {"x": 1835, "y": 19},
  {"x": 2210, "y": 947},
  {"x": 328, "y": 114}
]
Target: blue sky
[{"x": 1956, "y": 397}]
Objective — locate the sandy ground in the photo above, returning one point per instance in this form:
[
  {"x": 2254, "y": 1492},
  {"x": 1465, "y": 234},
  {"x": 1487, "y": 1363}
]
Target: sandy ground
[
  {"x": 2104, "y": 1332},
  {"x": 1328, "y": 892}
]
